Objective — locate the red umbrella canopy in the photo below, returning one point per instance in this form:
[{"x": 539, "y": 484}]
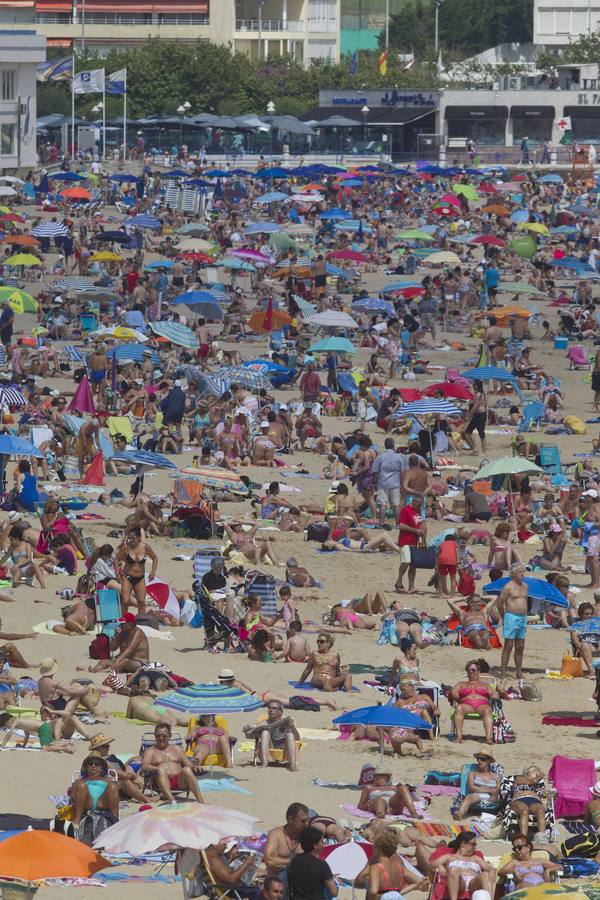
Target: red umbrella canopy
[
  {"x": 409, "y": 292},
  {"x": 489, "y": 239},
  {"x": 451, "y": 200},
  {"x": 448, "y": 389},
  {"x": 485, "y": 188},
  {"x": 352, "y": 255},
  {"x": 445, "y": 211}
]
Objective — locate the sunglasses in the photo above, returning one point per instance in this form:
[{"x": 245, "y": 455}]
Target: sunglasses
[
  {"x": 322, "y": 641},
  {"x": 518, "y": 846},
  {"x": 275, "y": 707}
]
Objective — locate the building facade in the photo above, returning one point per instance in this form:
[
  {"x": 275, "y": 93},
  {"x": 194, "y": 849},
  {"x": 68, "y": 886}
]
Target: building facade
[
  {"x": 558, "y": 22},
  {"x": 20, "y": 52},
  {"x": 305, "y": 30}
]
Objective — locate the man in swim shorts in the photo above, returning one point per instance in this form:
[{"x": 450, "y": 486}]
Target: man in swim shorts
[
  {"x": 170, "y": 768},
  {"x": 512, "y": 606}
]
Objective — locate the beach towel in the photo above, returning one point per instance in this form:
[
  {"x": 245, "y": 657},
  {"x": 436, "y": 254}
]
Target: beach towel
[
  {"x": 577, "y": 721},
  {"x": 307, "y": 686},
  {"x": 439, "y": 790},
  {"x": 365, "y": 814},
  {"x": 572, "y": 780},
  {"x": 227, "y": 783}
]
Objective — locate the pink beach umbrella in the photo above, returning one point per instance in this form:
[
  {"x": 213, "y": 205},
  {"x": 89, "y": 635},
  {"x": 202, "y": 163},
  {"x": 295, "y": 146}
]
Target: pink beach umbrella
[{"x": 82, "y": 401}]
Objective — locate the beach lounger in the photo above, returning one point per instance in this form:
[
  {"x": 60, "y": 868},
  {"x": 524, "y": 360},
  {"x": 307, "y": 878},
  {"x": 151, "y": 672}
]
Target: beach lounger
[
  {"x": 263, "y": 585},
  {"x": 108, "y": 611},
  {"x": 487, "y": 806},
  {"x": 510, "y": 820}
]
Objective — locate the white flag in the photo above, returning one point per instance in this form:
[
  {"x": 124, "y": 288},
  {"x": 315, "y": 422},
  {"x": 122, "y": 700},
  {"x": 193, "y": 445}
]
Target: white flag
[
  {"x": 564, "y": 123},
  {"x": 91, "y": 82}
]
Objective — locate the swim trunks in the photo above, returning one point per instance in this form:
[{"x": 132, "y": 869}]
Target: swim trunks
[{"x": 514, "y": 627}]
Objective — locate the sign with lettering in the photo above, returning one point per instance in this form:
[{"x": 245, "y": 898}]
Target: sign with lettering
[
  {"x": 588, "y": 98},
  {"x": 390, "y": 99}
]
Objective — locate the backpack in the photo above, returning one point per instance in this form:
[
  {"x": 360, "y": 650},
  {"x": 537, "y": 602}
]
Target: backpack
[
  {"x": 576, "y": 425},
  {"x": 100, "y": 647},
  {"x": 580, "y": 868},
  {"x": 304, "y": 703},
  {"x": 581, "y": 845},
  {"x": 317, "y": 531}
]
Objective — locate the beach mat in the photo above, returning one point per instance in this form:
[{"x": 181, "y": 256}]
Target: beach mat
[
  {"x": 575, "y": 721},
  {"x": 218, "y": 785},
  {"x": 307, "y": 686}
]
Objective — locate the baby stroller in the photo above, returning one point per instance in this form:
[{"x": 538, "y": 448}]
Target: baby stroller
[{"x": 217, "y": 626}]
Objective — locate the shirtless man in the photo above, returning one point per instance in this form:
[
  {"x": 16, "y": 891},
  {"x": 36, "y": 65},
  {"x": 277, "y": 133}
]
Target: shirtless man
[
  {"x": 277, "y": 732},
  {"x": 170, "y": 768},
  {"x": 263, "y": 448},
  {"x": 512, "y": 606},
  {"x": 277, "y": 431},
  {"x": 283, "y": 841},
  {"x": 87, "y": 447},
  {"x": 296, "y": 647},
  {"x": 416, "y": 479},
  {"x": 203, "y": 334},
  {"x": 133, "y": 647},
  {"x": 98, "y": 366},
  {"x": 9, "y": 653},
  {"x": 474, "y": 621}
]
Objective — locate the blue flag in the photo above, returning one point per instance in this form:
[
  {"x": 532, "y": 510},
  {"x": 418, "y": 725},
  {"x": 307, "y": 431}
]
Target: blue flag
[
  {"x": 116, "y": 83},
  {"x": 57, "y": 70},
  {"x": 353, "y": 63}
]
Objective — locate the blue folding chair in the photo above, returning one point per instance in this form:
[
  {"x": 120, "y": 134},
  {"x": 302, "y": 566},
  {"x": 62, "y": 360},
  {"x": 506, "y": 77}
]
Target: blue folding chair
[
  {"x": 108, "y": 611},
  {"x": 264, "y": 587},
  {"x": 552, "y": 465},
  {"x": 533, "y": 413}
]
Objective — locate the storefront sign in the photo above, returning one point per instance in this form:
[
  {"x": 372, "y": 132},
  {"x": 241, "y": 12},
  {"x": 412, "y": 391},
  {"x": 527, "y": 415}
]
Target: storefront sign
[
  {"x": 395, "y": 98},
  {"x": 392, "y": 99},
  {"x": 589, "y": 98}
]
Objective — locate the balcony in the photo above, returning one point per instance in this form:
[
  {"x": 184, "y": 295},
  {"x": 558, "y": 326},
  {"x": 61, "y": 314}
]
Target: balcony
[
  {"x": 268, "y": 25},
  {"x": 168, "y": 20}
]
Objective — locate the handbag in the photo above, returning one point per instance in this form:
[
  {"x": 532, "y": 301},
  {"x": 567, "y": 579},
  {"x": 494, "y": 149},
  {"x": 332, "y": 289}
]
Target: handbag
[
  {"x": 572, "y": 666},
  {"x": 422, "y": 557}
]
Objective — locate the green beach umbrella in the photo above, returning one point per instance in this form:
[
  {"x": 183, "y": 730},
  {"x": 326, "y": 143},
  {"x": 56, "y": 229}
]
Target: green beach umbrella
[
  {"x": 19, "y": 301},
  {"x": 466, "y": 190},
  {"x": 508, "y": 465},
  {"x": 525, "y": 247},
  {"x": 518, "y": 287},
  {"x": 414, "y": 234}
]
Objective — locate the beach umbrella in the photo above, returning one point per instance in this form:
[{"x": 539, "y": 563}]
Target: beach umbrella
[
  {"x": 537, "y": 227},
  {"x": 552, "y": 178},
  {"x": 335, "y": 213},
  {"x": 262, "y": 228},
  {"x": 211, "y": 699},
  {"x": 179, "y": 825},
  {"x": 261, "y": 322},
  {"x": 486, "y": 188},
  {"x": 176, "y": 333},
  {"x": 374, "y": 304},
  {"x": 449, "y": 389},
  {"x": 82, "y": 401},
  {"x": 19, "y": 301},
  {"x": 489, "y": 240},
  {"x": 106, "y": 256},
  {"x": 253, "y": 381},
  {"x": 21, "y": 240},
  {"x": 23, "y": 259},
  {"x": 193, "y": 228},
  {"x": 160, "y": 263},
  {"x": 488, "y": 373},
  {"x": 282, "y": 241},
  {"x": 49, "y": 229},
  {"x": 6, "y": 191},
  {"x": 11, "y": 445},
  {"x": 207, "y": 309},
  {"x": 12, "y": 217},
  {"x": 133, "y": 353},
  {"x": 445, "y": 257},
  {"x": 193, "y": 256},
  {"x": 414, "y": 234},
  {"x": 76, "y": 193},
  {"x": 510, "y": 312},
  {"x": 144, "y": 221},
  {"x": 538, "y": 590},
  {"x": 218, "y": 479},
  {"x": 115, "y": 237},
  {"x": 119, "y": 333},
  {"x": 524, "y": 246},
  {"x": 34, "y": 856},
  {"x": 451, "y": 200},
  {"x": 465, "y": 190},
  {"x": 252, "y": 255},
  {"x": 347, "y": 860},
  {"x": 197, "y": 244},
  {"x": 518, "y": 287},
  {"x": 146, "y": 458},
  {"x": 191, "y": 298},
  {"x": 385, "y": 716},
  {"x": 445, "y": 211},
  {"x": 272, "y": 197},
  {"x": 496, "y": 209},
  {"x": 333, "y": 318},
  {"x": 333, "y": 345},
  {"x": 508, "y": 465},
  {"x": 409, "y": 293},
  {"x": 11, "y": 396},
  {"x": 11, "y": 179},
  {"x": 93, "y": 295},
  {"x": 236, "y": 265},
  {"x": 427, "y": 407},
  {"x": 350, "y": 255}
]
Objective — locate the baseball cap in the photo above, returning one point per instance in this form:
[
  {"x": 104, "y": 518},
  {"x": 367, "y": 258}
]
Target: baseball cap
[
  {"x": 128, "y": 617},
  {"x": 590, "y": 493},
  {"x": 264, "y": 424},
  {"x": 177, "y": 383}
]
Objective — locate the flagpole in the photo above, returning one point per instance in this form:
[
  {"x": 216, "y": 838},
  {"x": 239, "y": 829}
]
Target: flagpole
[
  {"x": 103, "y": 115},
  {"x": 73, "y": 105},
  {"x": 125, "y": 120}
]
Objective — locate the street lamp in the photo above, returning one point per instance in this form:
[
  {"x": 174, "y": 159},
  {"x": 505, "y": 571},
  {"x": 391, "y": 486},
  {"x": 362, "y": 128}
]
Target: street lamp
[
  {"x": 99, "y": 107},
  {"x": 181, "y": 110},
  {"x": 260, "y": 4},
  {"x": 365, "y": 112},
  {"x": 438, "y": 3},
  {"x": 270, "y": 111}
]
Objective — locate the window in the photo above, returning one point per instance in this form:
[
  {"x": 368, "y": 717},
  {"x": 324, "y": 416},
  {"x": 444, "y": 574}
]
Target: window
[
  {"x": 8, "y": 83},
  {"x": 7, "y": 140}
]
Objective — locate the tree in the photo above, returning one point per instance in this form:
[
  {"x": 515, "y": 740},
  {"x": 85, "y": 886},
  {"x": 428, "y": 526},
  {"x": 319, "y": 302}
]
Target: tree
[{"x": 584, "y": 50}]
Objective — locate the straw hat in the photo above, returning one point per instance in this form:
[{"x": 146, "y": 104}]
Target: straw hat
[
  {"x": 48, "y": 666},
  {"x": 482, "y": 754},
  {"x": 382, "y": 771},
  {"x": 99, "y": 740}
]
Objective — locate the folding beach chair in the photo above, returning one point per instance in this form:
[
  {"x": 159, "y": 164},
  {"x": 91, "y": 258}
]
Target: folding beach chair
[
  {"x": 203, "y": 559},
  {"x": 108, "y": 611},
  {"x": 264, "y": 586},
  {"x": 510, "y": 820},
  {"x": 488, "y": 679},
  {"x": 551, "y": 463},
  {"x": 578, "y": 358},
  {"x": 487, "y": 806},
  {"x": 533, "y": 413},
  {"x": 572, "y": 780}
]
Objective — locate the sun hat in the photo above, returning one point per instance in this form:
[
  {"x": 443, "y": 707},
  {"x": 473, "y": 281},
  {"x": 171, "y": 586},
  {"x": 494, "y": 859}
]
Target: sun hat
[
  {"x": 333, "y": 487},
  {"x": 99, "y": 740},
  {"x": 264, "y": 424},
  {"x": 48, "y": 666},
  {"x": 482, "y": 754},
  {"x": 14, "y": 516},
  {"x": 226, "y": 675},
  {"x": 382, "y": 771}
]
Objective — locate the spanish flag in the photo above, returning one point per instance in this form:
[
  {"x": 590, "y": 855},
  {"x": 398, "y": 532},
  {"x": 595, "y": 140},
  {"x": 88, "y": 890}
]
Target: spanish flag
[{"x": 383, "y": 61}]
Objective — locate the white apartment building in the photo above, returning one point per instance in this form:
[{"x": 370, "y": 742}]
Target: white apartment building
[
  {"x": 20, "y": 52},
  {"x": 557, "y": 22},
  {"x": 302, "y": 29}
]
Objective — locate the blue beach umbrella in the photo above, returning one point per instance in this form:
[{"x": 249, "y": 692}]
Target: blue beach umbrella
[
  {"x": 263, "y": 228},
  {"x": 144, "y": 458},
  {"x": 333, "y": 345},
  {"x": 211, "y": 700},
  {"x": 388, "y": 716},
  {"x": 176, "y": 333},
  {"x": 272, "y": 197},
  {"x": 538, "y": 590},
  {"x": 191, "y": 298}
]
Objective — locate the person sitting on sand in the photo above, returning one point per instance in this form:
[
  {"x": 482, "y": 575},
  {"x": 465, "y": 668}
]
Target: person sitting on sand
[
  {"x": 169, "y": 767},
  {"x": 129, "y": 782},
  {"x": 326, "y": 667},
  {"x": 527, "y": 871},
  {"x": 296, "y": 647},
  {"x": 383, "y": 798},
  {"x": 420, "y": 705},
  {"x": 405, "y": 666},
  {"x": 93, "y": 791},
  {"x": 385, "y": 873},
  {"x": 297, "y": 575},
  {"x": 133, "y": 647},
  {"x": 502, "y": 553},
  {"x": 276, "y": 732},
  {"x": 64, "y": 697},
  {"x": 52, "y": 731}
]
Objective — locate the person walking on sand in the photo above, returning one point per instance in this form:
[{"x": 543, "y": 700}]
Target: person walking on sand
[
  {"x": 512, "y": 606},
  {"x": 412, "y": 530}
]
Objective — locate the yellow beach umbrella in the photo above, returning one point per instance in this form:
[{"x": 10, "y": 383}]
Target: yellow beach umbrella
[
  {"x": 538, "y": 227},
  {"x": 23, "y": 259},
  {"x": 120, "y": 333},
  {"x": 106, "y": 256},
  {"x": 443, "y": 256}
]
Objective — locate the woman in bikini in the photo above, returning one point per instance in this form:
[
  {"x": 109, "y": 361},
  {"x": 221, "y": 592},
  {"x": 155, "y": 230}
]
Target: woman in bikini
[
  {"x": 502, "y": 552},
  {"x": 382, "y": 797},
  {"x": 464, "y": 867},
  {"x": 244, "y": 542},
  {"x": 130, "y": 568},
  {"x": 326, "y": 667},
  {"x": 526, "y": 800},
  {"x": 527, "y": 871},
  {"x": 205, "y": 739},
  {"x": 385, "y": 871},
  {"x": 483, "y": 786},
  {"x": 405, "y": 667},
  {"x": 141, "y": 706},
  {"x": 472, "y": 696},
  {"x": 420, "y": 705}
]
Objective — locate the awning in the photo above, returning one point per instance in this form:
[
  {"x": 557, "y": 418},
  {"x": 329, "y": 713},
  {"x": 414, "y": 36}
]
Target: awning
[
  {"x": 59, "y": 42},
  {"x": 402, "y": 116},
  {"x": 16, "y": 4},
  {"x": 533, "y": 111},
  {"x": 54, "y": 6},
  {"x": 476, "y": 112},
  {"x": 583, "y": 112}
]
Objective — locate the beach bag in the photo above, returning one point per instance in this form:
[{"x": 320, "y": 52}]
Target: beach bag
[
  {"x": 100, "y": 647},
  {"x": 579, "y": 868},
  {"x": 502, "y": 732},
  {"x": 422, "y": 557},
  {"x": 531, "y": 692},
  {"x": 93, "y": 824},
  {"x": 306, "y": 704},
  {"x": 317, "y": 531},
  {"x": 451, "y": 779},
  {"x": 576, "y": 424},
  {"x": 585, "y": 845},
  {"x": 571, "y": 666}
]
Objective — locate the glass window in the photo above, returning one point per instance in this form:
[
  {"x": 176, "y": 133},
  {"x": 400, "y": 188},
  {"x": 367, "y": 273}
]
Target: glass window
[
  {"x": 7, "y": 140},
  {"x": 8, "y": 84},
  {"x": 585, "y": 129},
  {"x": 536, "y": 128},
  {"x": 482, "y": 131}
]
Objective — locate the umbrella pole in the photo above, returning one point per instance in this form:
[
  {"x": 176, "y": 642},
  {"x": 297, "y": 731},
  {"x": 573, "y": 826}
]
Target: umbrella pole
[
  {"x": 512, "y": 504},
  {"x": 381, "y": 745}
]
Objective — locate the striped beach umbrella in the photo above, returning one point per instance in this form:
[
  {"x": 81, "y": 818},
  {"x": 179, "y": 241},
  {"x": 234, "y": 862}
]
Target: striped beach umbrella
[
  {"x": 133, "y": 353},
  {"x": 427, "y": 407},
  {"x": 211, "y": 699},
  {"x": 253, "y": 381},
  {"x": 72, "y": 284},
  {"x": 144, "y": 458},
  {"x": 49, "y": 229},
  {"x": 213, "y": 477},
  {"x": 488, "y": 373},
  {"x": 176, "y": 333},
  {"x": 144, "y": 221},
  {"x": 11, "y": 396}
]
